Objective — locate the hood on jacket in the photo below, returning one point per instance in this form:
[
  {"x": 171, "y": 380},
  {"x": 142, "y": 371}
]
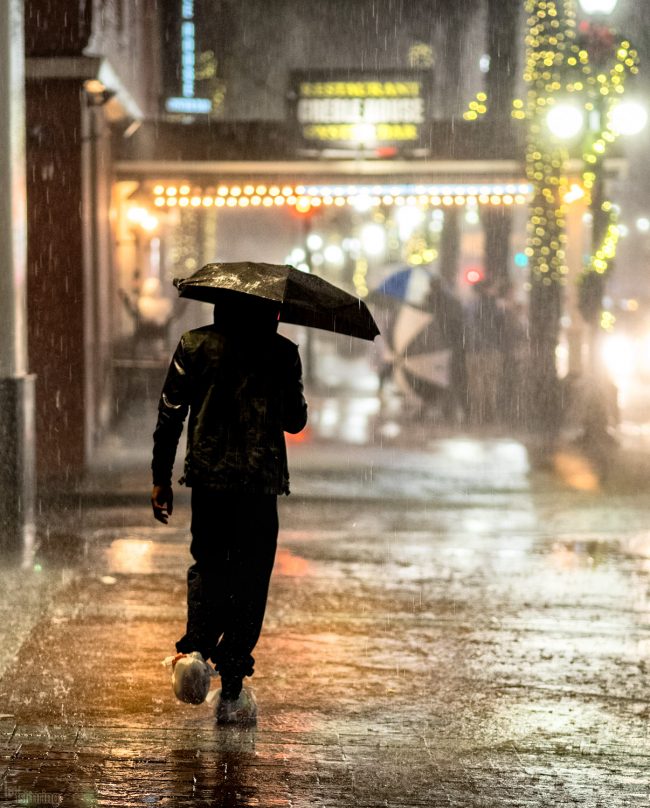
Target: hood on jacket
[{"x": 246, "y": 314}]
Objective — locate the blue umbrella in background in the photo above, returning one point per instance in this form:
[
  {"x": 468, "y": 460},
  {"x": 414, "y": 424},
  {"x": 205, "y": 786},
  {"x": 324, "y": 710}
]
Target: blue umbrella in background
[
  {"x": 408, "y": 285},
  {"x": 417, "y": 351}
]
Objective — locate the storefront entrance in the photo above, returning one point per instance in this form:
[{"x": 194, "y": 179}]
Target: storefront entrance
[{"x": 352, "y": 232}]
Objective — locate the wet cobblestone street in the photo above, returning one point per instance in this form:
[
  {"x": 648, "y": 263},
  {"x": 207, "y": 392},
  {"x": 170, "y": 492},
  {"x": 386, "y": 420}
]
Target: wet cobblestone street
[{"x": 443, "y": 629}]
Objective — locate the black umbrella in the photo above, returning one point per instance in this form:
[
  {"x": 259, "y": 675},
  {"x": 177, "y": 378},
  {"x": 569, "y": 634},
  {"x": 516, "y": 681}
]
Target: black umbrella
[{"x": 304, "y": 299}]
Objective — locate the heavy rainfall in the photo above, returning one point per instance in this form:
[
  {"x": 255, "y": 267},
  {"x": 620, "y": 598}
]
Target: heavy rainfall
[{"x": 393, "y": 254}]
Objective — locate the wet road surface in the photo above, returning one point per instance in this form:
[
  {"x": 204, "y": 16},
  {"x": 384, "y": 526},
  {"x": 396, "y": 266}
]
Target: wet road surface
[{"x": 444, "y": 629}]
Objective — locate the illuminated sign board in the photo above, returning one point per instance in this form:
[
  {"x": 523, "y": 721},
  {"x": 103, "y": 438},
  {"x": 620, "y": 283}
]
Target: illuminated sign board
[
  {"x": 189, "y": 66},
  {"x": 359, "y": 110}
]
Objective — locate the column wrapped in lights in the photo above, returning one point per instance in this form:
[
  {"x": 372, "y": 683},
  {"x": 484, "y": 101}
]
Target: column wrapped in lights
[
  {"x": 565, "y": 63},
  {"x": 551, "y": 31},
  {"x": 551, "y": 28},
  {"x": 600, "y": 69}
]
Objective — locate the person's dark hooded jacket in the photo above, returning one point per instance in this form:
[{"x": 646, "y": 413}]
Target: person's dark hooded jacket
[{"x": 242, "y": 385}]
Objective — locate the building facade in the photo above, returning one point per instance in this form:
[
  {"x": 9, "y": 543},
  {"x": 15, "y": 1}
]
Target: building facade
[
  {"x": 92, "y": 75},
  {"x": 350, "y": 138},
  {"x": 347, "y": 137}
]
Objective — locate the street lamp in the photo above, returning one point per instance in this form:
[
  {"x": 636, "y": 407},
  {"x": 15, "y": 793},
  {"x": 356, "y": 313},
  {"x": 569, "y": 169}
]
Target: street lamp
[
  {"x": 565, "y": 120},
  {"x": 603, "y": 7},
  {"x": 628, "y": 117}
]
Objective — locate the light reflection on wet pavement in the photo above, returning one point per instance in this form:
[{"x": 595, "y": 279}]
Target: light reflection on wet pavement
[{"x": 444, "y": 628}]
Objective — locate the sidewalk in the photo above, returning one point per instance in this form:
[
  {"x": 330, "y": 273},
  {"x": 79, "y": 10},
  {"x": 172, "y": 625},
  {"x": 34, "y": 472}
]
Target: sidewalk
[
  {"x": 444, "y": 629},
  {"x": 489, "y": 651},
  {"x": 349, "y": 450}
]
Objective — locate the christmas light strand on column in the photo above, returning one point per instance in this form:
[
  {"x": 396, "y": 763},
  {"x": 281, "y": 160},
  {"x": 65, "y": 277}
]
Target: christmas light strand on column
[
  {"x": 476, "y": 107},
  {"x": 551, "y": 30},
  {"x": 602, "y": 257},
  {"x": 600, "y": 85},
  {"x": 603, "y": 89},
  {"x": 559, "y": 65}
]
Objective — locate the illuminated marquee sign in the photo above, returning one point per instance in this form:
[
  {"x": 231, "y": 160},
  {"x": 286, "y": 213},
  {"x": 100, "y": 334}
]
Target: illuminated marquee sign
[{"x": 361, "y": 111}]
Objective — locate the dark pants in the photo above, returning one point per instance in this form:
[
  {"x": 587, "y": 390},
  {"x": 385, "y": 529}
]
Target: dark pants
[{"x": 234, "y": 537}]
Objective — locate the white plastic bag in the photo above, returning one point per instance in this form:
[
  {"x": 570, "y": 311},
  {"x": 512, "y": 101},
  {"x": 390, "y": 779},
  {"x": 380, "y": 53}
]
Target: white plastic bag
[{"x": 191, "y": 676}]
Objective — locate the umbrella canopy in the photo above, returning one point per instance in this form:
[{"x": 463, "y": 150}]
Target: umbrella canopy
[
  {"x": 420, "y": 354},
  {"x": 406, "y": 285},
  {"x": 303, "y": 298}
]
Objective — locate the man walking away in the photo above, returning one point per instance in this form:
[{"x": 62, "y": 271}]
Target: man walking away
[{"x": 241, "y": 383}]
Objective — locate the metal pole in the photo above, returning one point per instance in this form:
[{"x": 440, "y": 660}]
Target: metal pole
[
  {"x": 310, "y": 369},
  {"x": 575, "y": 250},
  {"x": 450, "y": 249},
  {"x": 593, "y": 284},
  {"x": 16, "y": 387},
  {"x": 598, "y": 229}
]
